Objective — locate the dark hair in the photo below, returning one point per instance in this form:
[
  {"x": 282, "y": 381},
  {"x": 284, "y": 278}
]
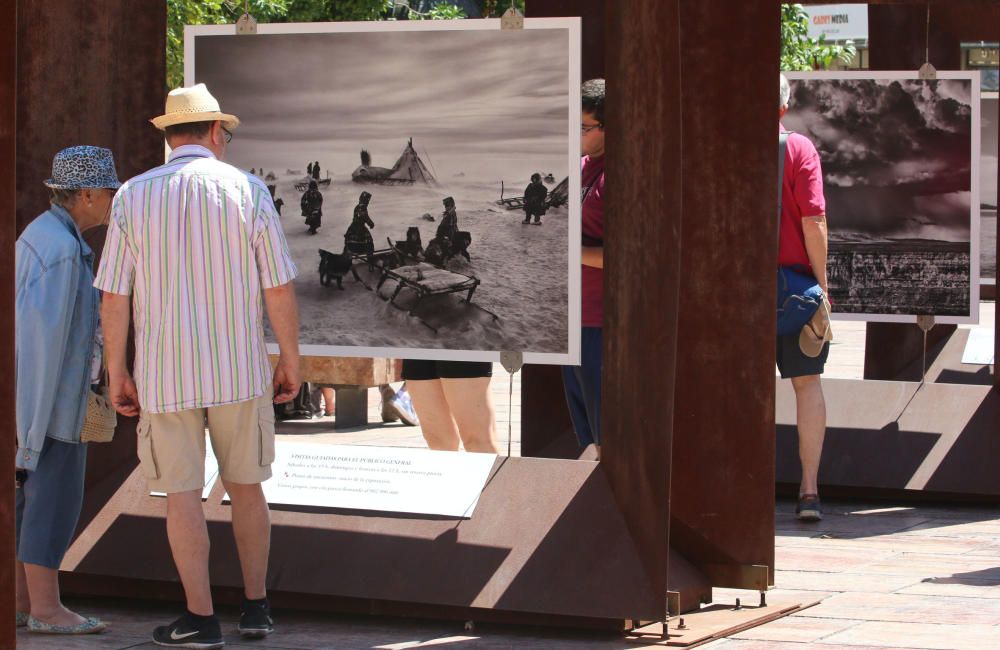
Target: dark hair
[
  {"x": 536, "y": 177},
  {"x": 190, "y": 129},
  {"x": 593, "y": 98}
]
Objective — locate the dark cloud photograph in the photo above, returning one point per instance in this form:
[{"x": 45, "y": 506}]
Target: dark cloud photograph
[
  {"x": 427, "y": 175},
  {"x": 901, "y": 179},
  {"x": 988, "y": 189}
]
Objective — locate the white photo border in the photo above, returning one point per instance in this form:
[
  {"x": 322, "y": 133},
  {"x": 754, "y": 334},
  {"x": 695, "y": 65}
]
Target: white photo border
[
  {"x": 972, "y": 76},
  {"x": 574, "y": 311}
]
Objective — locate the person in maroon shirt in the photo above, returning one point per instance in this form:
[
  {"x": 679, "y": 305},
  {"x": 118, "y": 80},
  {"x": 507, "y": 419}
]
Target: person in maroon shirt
[
  {"x": 583, "y": 382},
  {"x": 802, "y": 245}
]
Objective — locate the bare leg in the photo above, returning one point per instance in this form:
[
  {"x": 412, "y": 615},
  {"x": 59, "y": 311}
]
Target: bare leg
[
  {"x": 252, "y": 530},
  {"x": 189, "y": 545},
  {"x": 23, "y": 598},
  {"x": 471, "y": 405},
  {"x": 811, "y": 420},
  {"x": 327, "y": 400},
  {"x": 436, "y": 421},
  {"x": 46, "y": 605}
]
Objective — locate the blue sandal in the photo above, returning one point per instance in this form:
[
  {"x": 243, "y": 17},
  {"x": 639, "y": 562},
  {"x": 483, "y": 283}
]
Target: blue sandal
[
  {"x": 88, "y": 626},
  {"x": 21, "y": 618}
]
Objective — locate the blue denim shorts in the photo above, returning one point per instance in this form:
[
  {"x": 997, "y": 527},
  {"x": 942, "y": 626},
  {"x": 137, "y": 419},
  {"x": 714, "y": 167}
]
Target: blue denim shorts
[
  {"x": 793, "y": 363},
  {"x": 47, "y": 504}
]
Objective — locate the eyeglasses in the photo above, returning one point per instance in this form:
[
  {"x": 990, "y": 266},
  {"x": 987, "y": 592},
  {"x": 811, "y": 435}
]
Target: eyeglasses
[
  {"x": 229, "y": 134},
  {"x": 587, "y": 128}
]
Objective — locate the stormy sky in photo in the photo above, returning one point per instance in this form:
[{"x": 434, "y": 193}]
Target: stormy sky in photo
[
  {"x": 467, "y": 98},
  {"x": 896, "y": 155}
]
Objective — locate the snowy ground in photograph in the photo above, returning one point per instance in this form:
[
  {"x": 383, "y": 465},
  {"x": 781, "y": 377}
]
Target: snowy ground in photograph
[{"x": 522, "y": 268}]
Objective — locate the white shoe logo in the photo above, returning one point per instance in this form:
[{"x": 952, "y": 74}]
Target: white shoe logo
[{"x": 177, "y": 637}]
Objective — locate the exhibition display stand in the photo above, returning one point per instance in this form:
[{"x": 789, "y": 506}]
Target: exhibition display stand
[{"x": 683, "y": 498}]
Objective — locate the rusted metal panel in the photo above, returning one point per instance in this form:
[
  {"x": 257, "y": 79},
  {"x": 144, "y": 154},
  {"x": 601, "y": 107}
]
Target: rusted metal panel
[
  {"x": 642, "y": 250},
  {"x": 722, "y": 502},
  {"x": 568, "y": 554},
  {"x": 88, "y": 73},
  {"x": 8, "y": 129},
  {"x": 895, "y": 437}
]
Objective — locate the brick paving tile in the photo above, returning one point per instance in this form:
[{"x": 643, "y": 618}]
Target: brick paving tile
[
  {"x": 848, "y": 581},
  {"x": 798, "y": 628},
  {"x": 904, "y": 608},
  {"x": 921, "y": 635}
]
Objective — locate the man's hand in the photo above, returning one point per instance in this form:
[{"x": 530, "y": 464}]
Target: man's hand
[
  {"x": 124, "y": 395},
  {"x": 286, "y": 380}
]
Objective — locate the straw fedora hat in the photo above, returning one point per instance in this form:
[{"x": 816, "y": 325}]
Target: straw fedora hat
[{"x": 194, "y": 104}]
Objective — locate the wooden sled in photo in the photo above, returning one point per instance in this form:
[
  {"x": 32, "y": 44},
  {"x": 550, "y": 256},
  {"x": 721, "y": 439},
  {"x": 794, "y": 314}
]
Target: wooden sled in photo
[
  {"x": 334, "y": 266},
  {"x": 303, "y": 185},
  {"x": 426, "y": 292}
]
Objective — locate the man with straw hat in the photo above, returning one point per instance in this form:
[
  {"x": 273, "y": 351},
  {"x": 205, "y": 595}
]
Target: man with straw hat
[{"x": 192, "y": 247}]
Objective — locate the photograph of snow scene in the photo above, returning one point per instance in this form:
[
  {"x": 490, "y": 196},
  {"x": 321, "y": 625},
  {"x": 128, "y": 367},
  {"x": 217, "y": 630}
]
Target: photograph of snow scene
[
  {"x": 900, "y": 160},
  {"x": 427, "y": 175}
]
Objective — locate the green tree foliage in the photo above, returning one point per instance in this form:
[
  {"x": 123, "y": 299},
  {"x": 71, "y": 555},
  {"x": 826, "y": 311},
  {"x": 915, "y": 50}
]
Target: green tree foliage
[
  {"x": 799, "y": 52},
  {"x": 207, "y": 12}
]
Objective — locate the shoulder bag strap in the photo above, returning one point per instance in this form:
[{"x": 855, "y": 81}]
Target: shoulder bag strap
[{"x": 782, "y": 151}]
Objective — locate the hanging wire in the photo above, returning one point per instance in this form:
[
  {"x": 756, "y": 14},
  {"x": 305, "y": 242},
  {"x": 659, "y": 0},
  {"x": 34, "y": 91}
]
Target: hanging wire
[
  {"x": 510, "y": 410},
  {"x": 927, "y": 36}
]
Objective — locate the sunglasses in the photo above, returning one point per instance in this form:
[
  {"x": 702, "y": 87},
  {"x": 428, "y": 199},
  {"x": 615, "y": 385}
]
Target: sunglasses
[{"x": 228, "y": 135}]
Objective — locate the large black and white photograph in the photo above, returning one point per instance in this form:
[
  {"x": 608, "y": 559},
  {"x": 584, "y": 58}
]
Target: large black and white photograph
[
  {"x": 988, "y": 188},
  {"x": 900, "y": 159},
  {"x": 427, "y": 177}
]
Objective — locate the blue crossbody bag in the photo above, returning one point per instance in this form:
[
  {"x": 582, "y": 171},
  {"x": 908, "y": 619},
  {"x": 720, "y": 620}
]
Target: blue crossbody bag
[{"x": 799, "y": 295}]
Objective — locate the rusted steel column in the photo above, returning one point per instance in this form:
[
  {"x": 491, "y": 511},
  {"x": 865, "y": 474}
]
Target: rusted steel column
[
  {"x": 642, "y": 248},
  {"x": 99, "y": 85},
  {"x": 8, "y": 128},
  {"x": 722, "y": 506}
]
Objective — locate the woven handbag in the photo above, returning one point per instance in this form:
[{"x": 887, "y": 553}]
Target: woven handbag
[{"x": 99, "y": 424}]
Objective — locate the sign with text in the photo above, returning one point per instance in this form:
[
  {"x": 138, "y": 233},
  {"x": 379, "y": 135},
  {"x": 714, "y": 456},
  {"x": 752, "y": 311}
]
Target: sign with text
[
  {"x": 838, "y": 22},
  {"x": 388, "y": 479}
]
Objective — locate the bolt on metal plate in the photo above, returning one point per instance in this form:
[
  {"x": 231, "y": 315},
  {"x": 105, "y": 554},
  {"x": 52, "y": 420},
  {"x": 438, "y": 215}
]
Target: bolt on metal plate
[
  {"x": 925, "y": 322},
  {"x": 927, "y": 72}
]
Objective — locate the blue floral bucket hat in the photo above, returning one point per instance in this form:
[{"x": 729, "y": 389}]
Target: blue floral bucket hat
[{"x": 83, "y": 167}]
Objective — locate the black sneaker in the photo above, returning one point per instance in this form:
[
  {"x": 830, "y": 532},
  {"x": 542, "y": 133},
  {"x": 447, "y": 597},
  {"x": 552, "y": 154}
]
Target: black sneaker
[
  {"x": 809, "y": 508},
  {"x": 255, "y": 619},
  {"x": 190, "y": 632}
]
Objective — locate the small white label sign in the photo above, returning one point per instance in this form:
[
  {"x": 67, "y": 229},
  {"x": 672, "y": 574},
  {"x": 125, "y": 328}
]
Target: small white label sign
[
  {"x": 979, "y": 348},
  {"x": 387, "y": 479}
]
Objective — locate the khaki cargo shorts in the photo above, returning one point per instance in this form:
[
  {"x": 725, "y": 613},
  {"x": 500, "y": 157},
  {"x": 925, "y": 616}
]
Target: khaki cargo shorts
[{"x": 171, "y": 446}]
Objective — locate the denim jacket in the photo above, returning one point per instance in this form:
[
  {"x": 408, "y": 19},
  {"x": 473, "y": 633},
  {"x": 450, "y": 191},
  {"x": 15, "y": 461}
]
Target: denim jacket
[{"x": 56, "y": 317}]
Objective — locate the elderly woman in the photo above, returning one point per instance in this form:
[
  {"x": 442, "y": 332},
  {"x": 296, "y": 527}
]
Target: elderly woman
[{"x": 56, "y": 334}]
